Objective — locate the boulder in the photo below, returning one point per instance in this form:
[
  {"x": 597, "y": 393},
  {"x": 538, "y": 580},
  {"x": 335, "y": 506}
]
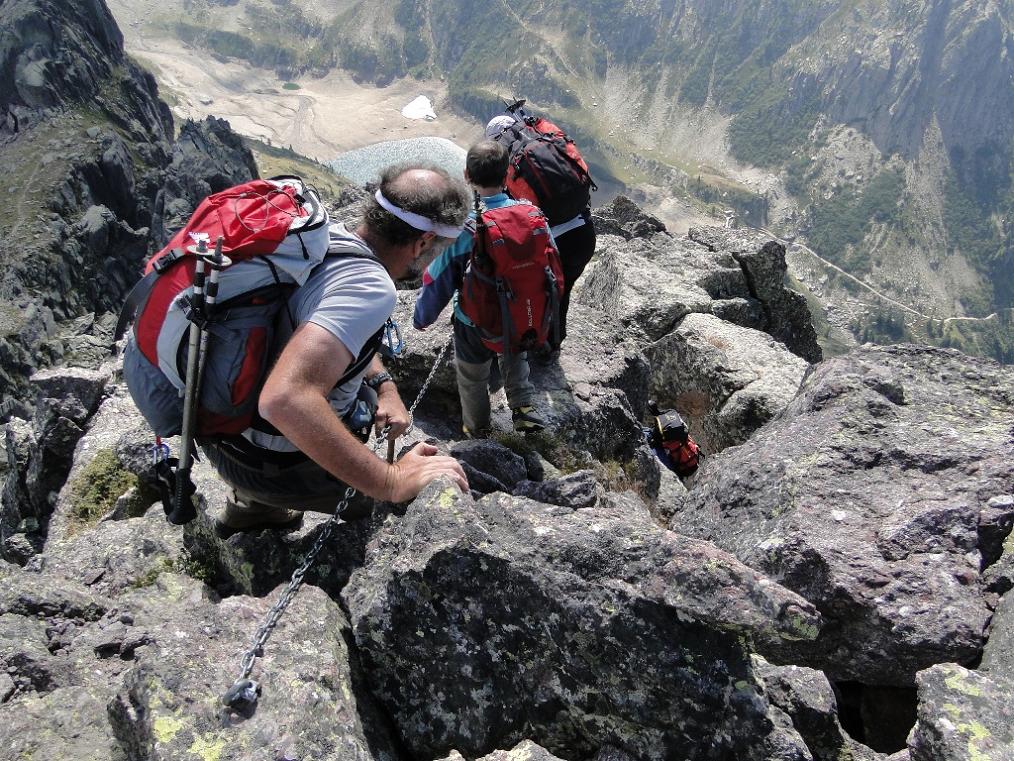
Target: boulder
[
  {"x": 20, "y": 516},
  {"x": 523, "y": 751},
  {"x": 648, "y": 285},
  {"x": 97, "y": 478},
  {"x": 143, "y": 678},
  {"x": 963, "y": 715},
  {"x": 806, "y": 696},
  {"x": 255, "y": 562},
  {"x": 311, "y": 706},
  {"x": 649, "y": 280},
  {"x": 485, "y": 623},
  {"x": 786, "y": 315},
  {"x": 725, "y": 380},
  {"x": 574, "y": 490},
  {"x": 624, "y": 218},
  {"x": 119, "y": 555},
  {"x": 998, "y": 655},
  {"x": 864, "y": 496}
]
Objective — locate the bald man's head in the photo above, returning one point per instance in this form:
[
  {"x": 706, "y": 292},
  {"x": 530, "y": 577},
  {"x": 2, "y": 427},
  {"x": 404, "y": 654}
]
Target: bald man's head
[{"x": 428, "y": 191}]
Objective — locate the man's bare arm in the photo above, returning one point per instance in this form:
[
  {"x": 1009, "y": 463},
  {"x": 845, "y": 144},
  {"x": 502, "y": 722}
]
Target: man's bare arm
[{"x": 294, "y": 400}]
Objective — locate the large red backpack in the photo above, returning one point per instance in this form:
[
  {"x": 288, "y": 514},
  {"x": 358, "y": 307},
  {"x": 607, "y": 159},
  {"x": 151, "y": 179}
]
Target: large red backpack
[
  {"x": 514, "y": 282},
  {"x": 274, "y": 233},
  {"x": 547, "y": 168}
]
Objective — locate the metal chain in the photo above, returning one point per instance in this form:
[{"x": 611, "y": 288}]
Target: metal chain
[
  {"x": 245, "y": 691},
  {"x": 426, "y": 384}
]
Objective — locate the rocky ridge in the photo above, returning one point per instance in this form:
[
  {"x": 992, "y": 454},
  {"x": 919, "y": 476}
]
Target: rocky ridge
[{"x": 581, "y": 602}]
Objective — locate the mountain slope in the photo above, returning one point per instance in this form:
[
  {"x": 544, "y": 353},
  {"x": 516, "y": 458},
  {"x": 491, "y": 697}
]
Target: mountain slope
[{"x": 880, "y": 132}]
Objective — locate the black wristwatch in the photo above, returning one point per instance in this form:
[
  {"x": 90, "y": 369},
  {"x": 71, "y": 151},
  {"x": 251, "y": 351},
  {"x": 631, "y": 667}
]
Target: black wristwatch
[{"x": 375, "y": 380}]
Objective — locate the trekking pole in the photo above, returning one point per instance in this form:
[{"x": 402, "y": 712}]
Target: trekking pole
[
  {"x": 183, "y": 508},
  {"x": 217, "y": 262}
]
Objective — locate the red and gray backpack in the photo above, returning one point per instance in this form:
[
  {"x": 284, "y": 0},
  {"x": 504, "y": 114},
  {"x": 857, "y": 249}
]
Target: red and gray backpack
[
  {"x": 274, "y": 233},
  {"x": 514, "y": 282},
  {"x": 546, "y": 168}
]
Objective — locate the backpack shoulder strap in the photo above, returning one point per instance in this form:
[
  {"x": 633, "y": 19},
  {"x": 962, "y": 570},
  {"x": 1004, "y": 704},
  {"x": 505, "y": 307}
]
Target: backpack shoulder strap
[{"x": 139, "y": 294}]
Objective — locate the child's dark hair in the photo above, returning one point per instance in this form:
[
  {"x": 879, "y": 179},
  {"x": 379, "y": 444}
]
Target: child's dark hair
[{"x": 486, "y": 164}]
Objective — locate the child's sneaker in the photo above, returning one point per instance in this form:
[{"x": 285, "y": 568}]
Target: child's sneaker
[{"x": 526, "y": 420}]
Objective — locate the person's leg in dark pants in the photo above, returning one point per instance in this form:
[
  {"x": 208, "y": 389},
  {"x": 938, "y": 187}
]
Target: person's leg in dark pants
[{"x": 576, "y": 249}]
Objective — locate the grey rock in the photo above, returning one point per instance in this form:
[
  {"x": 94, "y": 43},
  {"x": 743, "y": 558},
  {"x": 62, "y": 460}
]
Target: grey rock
[
  {"x": 101, "y": 439},
  {"x": 25, "y": 656},
  {"x": 20, "y": 548},
  {"x": 995, "y": 522},
  {"x": 574, "y": 490},
  {"x": 480, "y": 482},
  {"x": 15, "y": 501},
  {"x": 73, "y": 393},
  {"x": 869, "y": 507},
  {"x": 649, "y": 284},
  {"x": 56, "y": 599},
  {"x": 624, "y": 218},
  {"x": 998, "y": 579},
  {"x": 85, "y": 341},
  {"x": 114, "y": 556},
  {"x": 649, "y": 281},
  {"x": 787, "y": 317},
  {"x": 725, "y": 380},
  {"x": 962, "y": 715},
  {"x": 492, "y": 458},
  {"x": 523, "y": 751},
  {"x": 503, "y": 611},
  {"x": 806, "y": 696},
  {"x": 611, "y": 754},
  {"x": 69, "y": 722},
  {"x": 998, "y": 655},
  {"x": 256, "y": 562},
  {"x": 311, "y": 705},
  {"x": 207, "y": 157}
]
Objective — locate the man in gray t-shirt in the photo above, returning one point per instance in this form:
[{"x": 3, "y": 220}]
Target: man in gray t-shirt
[{"x": 304, "y": 458}]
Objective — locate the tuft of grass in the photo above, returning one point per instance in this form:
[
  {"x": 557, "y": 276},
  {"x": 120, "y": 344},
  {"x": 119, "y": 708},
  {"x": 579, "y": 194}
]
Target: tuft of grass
[
  {"x": 96, "y": 488},
  {"x": 185, "y": 564},
  {"x": 290, "y": 86},
  {"x": 551, "y": 447}
]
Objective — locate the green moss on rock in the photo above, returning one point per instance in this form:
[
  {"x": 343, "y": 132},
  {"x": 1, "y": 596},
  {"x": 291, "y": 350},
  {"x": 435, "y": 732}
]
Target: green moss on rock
[{"x": 96, "y": 488}]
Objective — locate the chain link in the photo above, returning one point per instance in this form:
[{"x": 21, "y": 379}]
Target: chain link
[
  {"x": 244, "y": 690},
  {"x": 426, "y": 384}
]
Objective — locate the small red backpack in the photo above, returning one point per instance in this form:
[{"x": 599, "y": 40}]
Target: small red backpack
[
  {"x": 671, "y": 435},
  {"x": 514, "y": 282}
]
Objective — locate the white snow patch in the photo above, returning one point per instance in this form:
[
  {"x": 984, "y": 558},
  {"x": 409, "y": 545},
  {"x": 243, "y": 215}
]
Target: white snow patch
[{"x": 420, "y": 108}]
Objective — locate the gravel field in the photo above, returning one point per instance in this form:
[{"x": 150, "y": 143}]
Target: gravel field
[{"x": 363, "y": 165}]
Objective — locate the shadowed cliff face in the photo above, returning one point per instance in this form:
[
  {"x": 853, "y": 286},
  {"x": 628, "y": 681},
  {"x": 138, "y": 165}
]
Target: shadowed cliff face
[
  {"x": 53, "y": 54},
  {"x": 90, "y": 172}
]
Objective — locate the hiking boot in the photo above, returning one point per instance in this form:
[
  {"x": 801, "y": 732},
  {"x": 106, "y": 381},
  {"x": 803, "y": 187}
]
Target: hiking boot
[
  {"x": 256, "y": 517},
  {"x": 527, "y": 420},
  {"x": 482, "y": 433}
]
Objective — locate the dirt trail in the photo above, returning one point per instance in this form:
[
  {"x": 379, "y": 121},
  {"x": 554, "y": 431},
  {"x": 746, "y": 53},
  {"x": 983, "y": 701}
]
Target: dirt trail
[{"x": 883, "y": 296}]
